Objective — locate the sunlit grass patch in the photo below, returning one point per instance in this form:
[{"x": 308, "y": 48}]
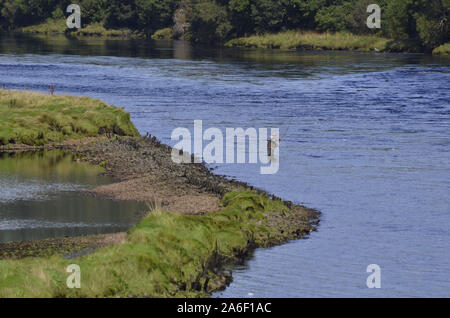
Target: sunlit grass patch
[
  {"x": 444, "y": 49},
  {"x": 163, "y": 34},
  {"x": 315, "y": 40},
  {"x": 34, "y": 119},
  {"x": 59, "y": 27},
  {"x": 51, "y": 26}
]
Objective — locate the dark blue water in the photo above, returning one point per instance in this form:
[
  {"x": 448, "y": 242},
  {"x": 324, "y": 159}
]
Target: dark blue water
[{"x": 366, "y": 141}]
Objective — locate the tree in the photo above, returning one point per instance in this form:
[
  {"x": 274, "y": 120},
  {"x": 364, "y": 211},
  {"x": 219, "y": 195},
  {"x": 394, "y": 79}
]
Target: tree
[
  {"x": 432, "y": 23},
  {"x": 121, "y": 14},
  {"x": 333, "y": 18},
  {"x": 268, "y": 15},
  {"x": 93, "y": 10},
  {"x": 209, "y": 21},
  {"x": 241, "y": 17},
  {"x": 155, "y": 14},
  {"x": 397, "y": 22}
]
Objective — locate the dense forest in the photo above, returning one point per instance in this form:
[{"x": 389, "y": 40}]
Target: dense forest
[{"x": 424, "y": 22}]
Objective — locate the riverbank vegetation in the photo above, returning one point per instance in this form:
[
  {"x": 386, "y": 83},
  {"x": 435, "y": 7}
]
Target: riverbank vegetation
[
  {"x": 35, "y": 119},
  {"x": 313, "y": 41},
  {"x": 167, "y": 254},
  {"x": 410, "y": 24},
  {"x": 444, "y": 49},
  {"x": 94, "y": 29}
]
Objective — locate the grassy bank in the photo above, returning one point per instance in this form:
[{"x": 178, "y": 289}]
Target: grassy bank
[
  {"x": 163, "y": 34},
  {"x": 94, "y": 29},
  {"x": 165, "y": 255},
  {"x": 444, "y": 49},
  {"x": 49, "y": 27},
  {"x": 318, "y": 41},
  {"x": 35, "y": 119},
  {"x": 60, "y": 27}
]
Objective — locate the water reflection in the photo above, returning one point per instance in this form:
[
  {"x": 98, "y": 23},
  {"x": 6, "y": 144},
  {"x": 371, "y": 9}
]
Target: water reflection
[
  {"x": 41, "y": 197},
  {"x": 182, "y": 50}
]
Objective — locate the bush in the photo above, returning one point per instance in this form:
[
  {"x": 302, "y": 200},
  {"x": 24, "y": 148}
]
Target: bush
[
  {"x": 442, "y": 50},
  {"x": 332, "y": 18},
  {"x": 163, "y": 34}
]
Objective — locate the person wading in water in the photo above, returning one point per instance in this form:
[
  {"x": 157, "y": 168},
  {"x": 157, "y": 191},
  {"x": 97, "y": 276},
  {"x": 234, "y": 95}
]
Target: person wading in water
[{"x": 272, "y": 144}]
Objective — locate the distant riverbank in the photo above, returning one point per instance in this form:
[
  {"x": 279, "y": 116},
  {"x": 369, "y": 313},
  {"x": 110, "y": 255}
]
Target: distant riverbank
[
  {"x": 287, "y": 40},
  {"x": 93, "y": 30},
  {"x": 59, "y": 27},
  {"x": 197, "y": 221},
  {"x": 329, "y": 41}
]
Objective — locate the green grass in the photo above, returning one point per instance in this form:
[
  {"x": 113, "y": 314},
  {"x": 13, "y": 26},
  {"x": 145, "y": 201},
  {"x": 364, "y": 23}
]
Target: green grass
[
  {"x": 59, "y": 27},
  {"x": 35, "y": 119},
  {"x": 327, "y": 41},
  {"x": 444, "y": 49},
  {"x": 49, "y": 27},
  {"x": 163, "y": 34},
  {"x": 165, "y": 255}
]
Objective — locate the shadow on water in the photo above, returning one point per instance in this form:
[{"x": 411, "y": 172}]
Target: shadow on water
[
  {"x": 42, "y": 196},
  {"x": 182, "y": 50}
]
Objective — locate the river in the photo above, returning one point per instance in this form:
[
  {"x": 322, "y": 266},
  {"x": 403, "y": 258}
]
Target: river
[
  {"x": 42, "y": 196},
  {"x": 365, "y": 140}
]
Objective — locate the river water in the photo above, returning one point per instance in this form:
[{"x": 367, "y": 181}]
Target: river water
[
  {"x": 42, "y": 196},
  {"x": 366, "y": 140}
]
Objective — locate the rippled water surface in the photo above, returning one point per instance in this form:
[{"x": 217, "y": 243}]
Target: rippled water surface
[{"x": 365, "y": 140}]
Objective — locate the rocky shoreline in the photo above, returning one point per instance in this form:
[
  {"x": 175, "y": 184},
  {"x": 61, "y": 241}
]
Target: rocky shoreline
[{"x": 145, "y": 172}]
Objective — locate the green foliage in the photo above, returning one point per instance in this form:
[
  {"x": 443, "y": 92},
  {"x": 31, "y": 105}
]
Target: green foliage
[
  {"x": 444, "y": 49},
  {"x": 57, "y": 14},
  {"x": 153, "y": 14},
  {"x": 48, "y": 27},
  {"x": 432, "y": 23},
  {"x": 422, "y": 23},
  {"x": 93, "y": 11},
  {"x": 357, "y": 16},
  {"x": 163, "y": 34},
  {"x": 209, "y": 21},
  {"x": 268, "y": 15},
  {"x": 332, "y": 18},
  {"x": 120, "y": 14},
  {"x": 399, "y": 23}
]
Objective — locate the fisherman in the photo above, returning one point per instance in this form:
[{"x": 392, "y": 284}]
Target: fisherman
[{"x": 272, "y": 144}]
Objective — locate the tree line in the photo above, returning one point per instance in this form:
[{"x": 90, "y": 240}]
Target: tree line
[{"x": 424, "y": 22}]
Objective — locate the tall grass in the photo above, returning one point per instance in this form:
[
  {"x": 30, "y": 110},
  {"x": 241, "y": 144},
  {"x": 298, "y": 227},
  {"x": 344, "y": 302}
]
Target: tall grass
[
  {"x": 35, "y": 119},
  {"x": 444, "y": 49},
  {"x": 314, "y": 40},
  {"x": 59, "y": 27},
  {"x": 48, "y": 27},
  {"x": 163, "y": 34},
  {"x": 165, "y": 255}
]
